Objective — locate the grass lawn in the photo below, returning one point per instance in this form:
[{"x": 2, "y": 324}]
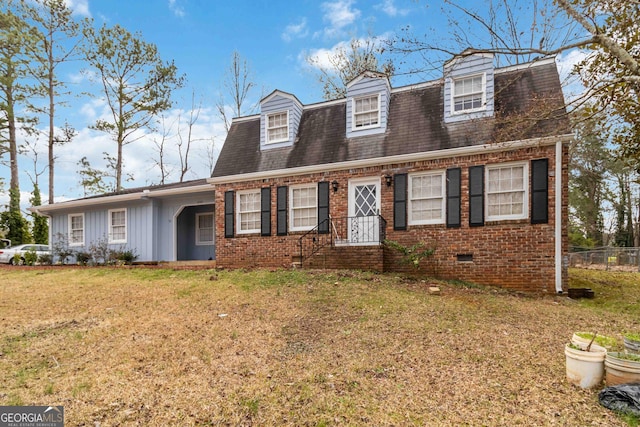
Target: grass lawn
[{"x": 154, "y": 347}]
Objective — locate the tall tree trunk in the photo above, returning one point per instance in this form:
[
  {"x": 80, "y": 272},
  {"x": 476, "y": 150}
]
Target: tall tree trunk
[
  {"x": 13, "y": 145},
  {"x": 51, "y": 128}
]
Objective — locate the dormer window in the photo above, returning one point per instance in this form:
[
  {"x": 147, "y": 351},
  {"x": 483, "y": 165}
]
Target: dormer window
[
  {"x": 469, "y": 94},
  {"x": 277, "y": 127},
  {"x": 366, "y": 112}
]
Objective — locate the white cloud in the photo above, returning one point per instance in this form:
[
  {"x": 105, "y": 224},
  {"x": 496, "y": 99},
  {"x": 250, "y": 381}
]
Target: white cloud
[
  {"x": 338, "y": 14},
  {"x": 321, "y": 58},
  {"x": 79, "y": 7},
  {"x": 389, "y": 7},
  {"x": 297, "y": 31},
  {"x": 141, "y": 155},
  {"x": 571, "y": 84},
  {"x": 176, "y": 8}
]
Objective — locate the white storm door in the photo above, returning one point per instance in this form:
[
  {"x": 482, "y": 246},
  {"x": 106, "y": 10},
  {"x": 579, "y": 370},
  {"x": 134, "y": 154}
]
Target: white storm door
[{"x": 364, "y": 208}]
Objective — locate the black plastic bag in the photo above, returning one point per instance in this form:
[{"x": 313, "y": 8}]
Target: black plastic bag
[{"x": 623, "y": 398}]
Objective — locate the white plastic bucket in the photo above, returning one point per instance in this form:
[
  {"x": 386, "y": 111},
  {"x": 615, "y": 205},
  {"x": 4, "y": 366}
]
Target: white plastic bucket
[
  {"x": 578, "y": 340},
  {"x": 585, "y": 369},
  {"x": 621, "y": 371},
  {"x": 631, "y": 346}
]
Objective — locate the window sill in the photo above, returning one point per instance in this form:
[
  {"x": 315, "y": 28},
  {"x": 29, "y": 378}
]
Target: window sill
[{"x": 466, "y": 112}]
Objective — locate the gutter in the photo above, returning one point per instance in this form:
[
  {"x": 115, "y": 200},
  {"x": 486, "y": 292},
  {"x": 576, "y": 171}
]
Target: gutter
[
  {"x": 146, "y": 194},
  {"x": 387, "y": 160},
  {"x": 558, "y": 218}
]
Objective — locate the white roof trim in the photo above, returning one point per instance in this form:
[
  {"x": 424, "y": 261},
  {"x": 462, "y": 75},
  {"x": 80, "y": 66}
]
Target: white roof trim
[
  {"x": 466, "y": 54},
  {"x": 402, "y": 158},
  {"x": 534, "y": 63},
  {"x": 367, "y": 74},
  {"x": 281, "y": 93},
  {"x": 119, "y": 198}
]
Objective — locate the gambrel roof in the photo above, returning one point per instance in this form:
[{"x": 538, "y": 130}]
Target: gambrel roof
[{"x": 528, "y": 104}]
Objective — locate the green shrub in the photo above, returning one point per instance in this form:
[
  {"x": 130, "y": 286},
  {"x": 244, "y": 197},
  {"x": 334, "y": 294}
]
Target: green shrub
[
  {"x": 83, "y": 258},
  {"x": 30, "y": 257},
  {"x": 45, "y": 259},
  {"x": 125, "y": 256},
  {"x": 632, "y": 336},
  {"x": 412, "y": 255},
  {"x": 17, "y": 259}
]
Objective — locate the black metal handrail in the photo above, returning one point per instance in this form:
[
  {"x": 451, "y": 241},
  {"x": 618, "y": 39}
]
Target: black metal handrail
[{"x": 353, "y": 230}]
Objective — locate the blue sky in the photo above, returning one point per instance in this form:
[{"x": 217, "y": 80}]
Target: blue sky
[{"x": 275, "y": 37}]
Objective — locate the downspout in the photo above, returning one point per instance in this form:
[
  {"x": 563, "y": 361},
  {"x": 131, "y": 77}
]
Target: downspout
[{"x": 558, "y": 218}]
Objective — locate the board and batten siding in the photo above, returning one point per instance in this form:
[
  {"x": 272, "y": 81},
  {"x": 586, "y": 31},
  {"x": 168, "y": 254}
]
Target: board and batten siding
[
  {"x": 472, "y": 65},
  {"x": 168, "y": 212},
  {"x": 368, "y": 86},
  {"x": 96, "y": 229},
  {"x": 153, "y": 226}
]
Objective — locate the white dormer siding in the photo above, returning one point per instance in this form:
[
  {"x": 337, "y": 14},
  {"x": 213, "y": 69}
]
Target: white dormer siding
[
  {"x": 280, "y": 114},
  {"x": 367, "y": 104},
  {"x": 468, "y": 87}
]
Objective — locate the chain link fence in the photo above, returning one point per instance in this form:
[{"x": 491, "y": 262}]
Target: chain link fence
[{"x": 608, "y": 258}]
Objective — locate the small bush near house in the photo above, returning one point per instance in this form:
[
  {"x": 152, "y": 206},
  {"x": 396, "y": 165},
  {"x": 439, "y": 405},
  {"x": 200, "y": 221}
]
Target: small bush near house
[
  {"x": 60, "y": 248},
  {"x": 83, "y": 258},
  {"x": 45, "y": 259},
  {"x": 30, "y": 257},
  {"x": 17, "y": 259},
  {"x": 100, "y": 251},
  {"x": 125, "y": 256},
  {"x": 412, "y": 255}
]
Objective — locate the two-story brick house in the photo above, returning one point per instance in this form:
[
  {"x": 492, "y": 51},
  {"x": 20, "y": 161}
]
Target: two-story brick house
[{"x": 473, "y": 164}]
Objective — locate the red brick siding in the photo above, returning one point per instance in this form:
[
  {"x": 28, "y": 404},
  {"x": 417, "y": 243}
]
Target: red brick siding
[{"x": 510, "y": 254}]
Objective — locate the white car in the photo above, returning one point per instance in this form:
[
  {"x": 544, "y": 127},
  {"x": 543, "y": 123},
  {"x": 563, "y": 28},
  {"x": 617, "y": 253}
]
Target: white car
[{"x": 7, "y": 256}]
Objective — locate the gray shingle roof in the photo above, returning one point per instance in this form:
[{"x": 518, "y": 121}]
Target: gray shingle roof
[{"x": 528, "y": 104}]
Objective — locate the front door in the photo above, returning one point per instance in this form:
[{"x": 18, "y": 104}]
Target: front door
[{"x": 364, "y": 208}]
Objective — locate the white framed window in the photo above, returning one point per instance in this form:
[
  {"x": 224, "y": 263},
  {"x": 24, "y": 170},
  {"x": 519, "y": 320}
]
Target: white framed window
[
  {"x": 427, "y": 198},
  {"x": 117, "y": 226},
  {"x": 507, "y": 196},
  {"x": 366, "y": 112},
  {"x": 469, "y": 94},
  {"x": 248, "y": 211},
  {"x": 277, "y": 127},
  {"x": 204, "y": 228},
  {"x": 303, "y": 207},
  {"x": 76, "y": 229}
]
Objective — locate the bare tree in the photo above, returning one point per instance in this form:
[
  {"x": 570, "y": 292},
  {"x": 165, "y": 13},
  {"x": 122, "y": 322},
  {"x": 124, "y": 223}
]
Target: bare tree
[
  {"x": 161, "y": 146},
  {"x": 184, "y": 145},
  {"x": 237, "y": 84},
  {"x": 347, "y": 62},
  {"x": 211, "y": 156},
  {"x": 136, "y": 84},
  {"x": 57, "y": 28},
  {"x": 608, "y": 31}
]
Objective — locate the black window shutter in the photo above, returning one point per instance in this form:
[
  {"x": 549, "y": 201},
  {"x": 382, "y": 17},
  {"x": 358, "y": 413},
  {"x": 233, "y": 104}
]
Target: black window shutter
[
  {"x": 453, "y": 197},
  {"x": 281, "y": 207},
  {"x": 539, "y": 191},
  {"x": 400, "y": 201},
  {"x": 476, "y": 196},
  {"x": 323, "y": 207},
  {"x": 229, "y": 214},
  {"x": 265, "y": 211}
]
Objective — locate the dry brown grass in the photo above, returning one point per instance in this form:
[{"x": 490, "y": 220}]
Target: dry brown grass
[{"x": 161, "y": 347}]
